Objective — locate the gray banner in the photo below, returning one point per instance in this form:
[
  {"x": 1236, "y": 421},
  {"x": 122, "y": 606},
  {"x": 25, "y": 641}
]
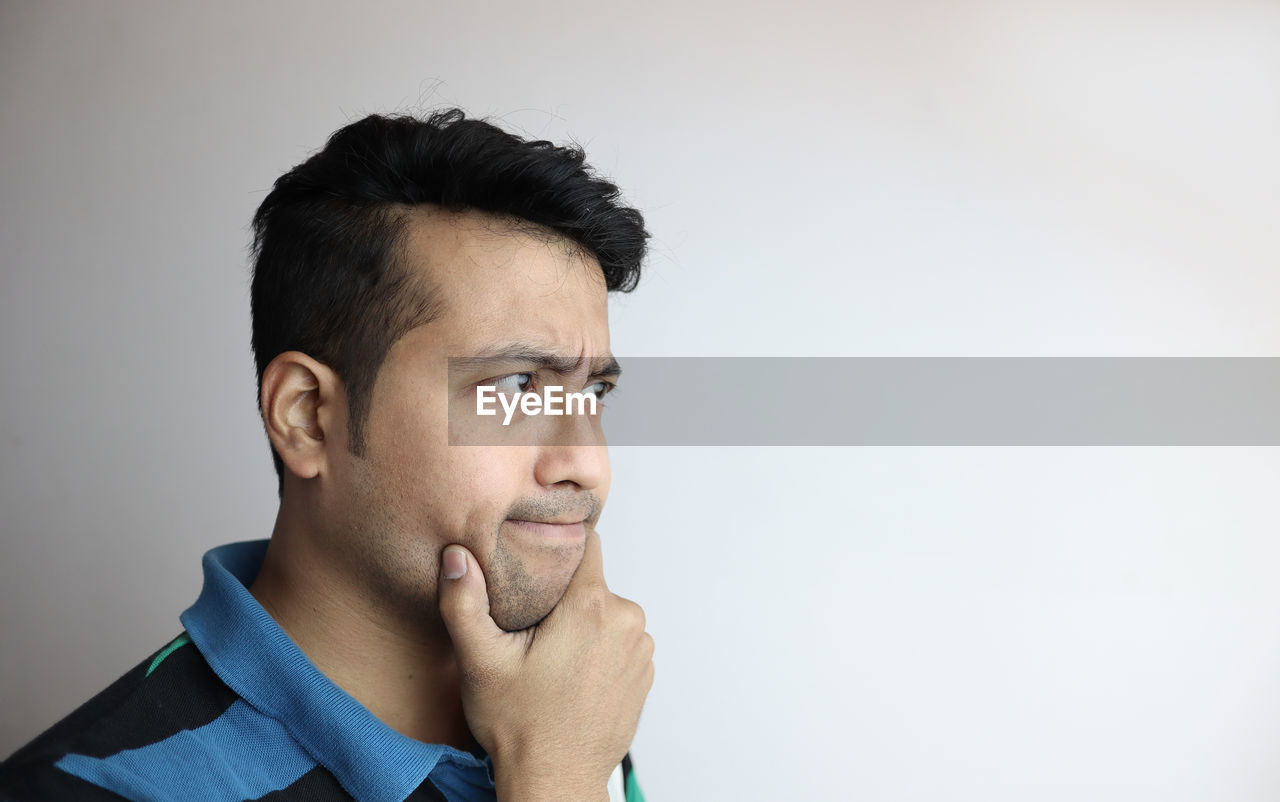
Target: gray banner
[{"x": 750, "y": 401}]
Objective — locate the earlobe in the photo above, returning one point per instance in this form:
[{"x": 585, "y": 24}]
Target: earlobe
[{"x": 295, "y": 389}]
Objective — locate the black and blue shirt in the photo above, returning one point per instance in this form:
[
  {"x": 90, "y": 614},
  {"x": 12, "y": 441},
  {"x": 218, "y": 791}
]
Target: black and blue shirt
[{"x": 233, "y": 710}]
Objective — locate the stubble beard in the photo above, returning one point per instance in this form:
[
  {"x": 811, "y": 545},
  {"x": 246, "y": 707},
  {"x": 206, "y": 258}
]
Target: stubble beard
[
  {"x": 397, "y": 561},
  {"x": 518, "y": 600},
  {"x": 399, "y": 570}
]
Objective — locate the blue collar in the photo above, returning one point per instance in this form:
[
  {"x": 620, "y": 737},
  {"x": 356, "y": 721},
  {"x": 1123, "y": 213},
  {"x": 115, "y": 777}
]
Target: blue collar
[{"x": 249, "y": 651}]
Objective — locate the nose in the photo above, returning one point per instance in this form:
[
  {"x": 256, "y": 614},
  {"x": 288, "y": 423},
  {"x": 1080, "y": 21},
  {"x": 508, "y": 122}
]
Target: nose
[{"x": 577, "y": 454}]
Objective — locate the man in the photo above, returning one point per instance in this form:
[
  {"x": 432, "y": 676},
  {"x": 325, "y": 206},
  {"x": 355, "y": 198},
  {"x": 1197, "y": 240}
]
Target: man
[{"x": 427, "y": 621}]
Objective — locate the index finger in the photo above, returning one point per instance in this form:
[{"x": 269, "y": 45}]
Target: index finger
[{"x": 589, "y": 578}]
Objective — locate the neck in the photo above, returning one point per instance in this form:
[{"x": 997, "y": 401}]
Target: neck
[{"x": 404, "y": 673}]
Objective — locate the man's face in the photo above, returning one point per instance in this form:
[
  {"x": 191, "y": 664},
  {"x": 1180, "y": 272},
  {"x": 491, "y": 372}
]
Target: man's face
[{"x": 412, "y": 493}]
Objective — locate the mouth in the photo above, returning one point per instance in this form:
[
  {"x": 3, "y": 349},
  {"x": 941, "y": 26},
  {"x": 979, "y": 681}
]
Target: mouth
[{"x": 570, "y": 530}]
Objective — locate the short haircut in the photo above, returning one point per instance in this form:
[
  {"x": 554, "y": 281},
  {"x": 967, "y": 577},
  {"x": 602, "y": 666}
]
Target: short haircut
[{"x": 328, "y": 279}]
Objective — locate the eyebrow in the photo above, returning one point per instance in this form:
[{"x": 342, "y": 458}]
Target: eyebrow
[{"x": 603, "y": 367}]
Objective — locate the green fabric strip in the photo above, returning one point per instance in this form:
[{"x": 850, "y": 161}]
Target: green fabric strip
[
  {"x": 634, "y": 794},
  {"x": 178, "y": 643}
]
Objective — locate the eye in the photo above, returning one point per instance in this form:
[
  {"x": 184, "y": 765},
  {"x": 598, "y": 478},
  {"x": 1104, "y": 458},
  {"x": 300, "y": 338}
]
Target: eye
[
  {"x": 601, "y": 388},
  {"x": 513, "y": 385}
]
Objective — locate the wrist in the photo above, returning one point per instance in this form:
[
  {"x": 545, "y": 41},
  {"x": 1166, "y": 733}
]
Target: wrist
[
  {"x": 527, "y": 789},
  {"x": 543, "y": 782}
]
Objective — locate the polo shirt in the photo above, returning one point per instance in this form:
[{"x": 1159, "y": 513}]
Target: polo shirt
[{"x": 232, "y": 710}]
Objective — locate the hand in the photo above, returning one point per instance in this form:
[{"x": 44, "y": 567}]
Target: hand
[{"x": 556, "y": 705}]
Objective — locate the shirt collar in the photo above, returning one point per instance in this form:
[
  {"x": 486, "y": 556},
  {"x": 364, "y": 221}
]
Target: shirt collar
[{"x": 249, "y": 651}]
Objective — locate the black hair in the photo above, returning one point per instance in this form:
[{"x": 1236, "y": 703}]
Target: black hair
[{"x": 327, "y": 277}]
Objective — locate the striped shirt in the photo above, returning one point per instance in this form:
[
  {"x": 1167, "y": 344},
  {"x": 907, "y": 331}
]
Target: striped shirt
[{"x": 232, "y": 710}]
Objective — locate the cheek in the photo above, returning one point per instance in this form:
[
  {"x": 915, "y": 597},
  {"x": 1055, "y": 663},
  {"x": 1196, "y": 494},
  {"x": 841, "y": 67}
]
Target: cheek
[{"x": 483, "y": 484}]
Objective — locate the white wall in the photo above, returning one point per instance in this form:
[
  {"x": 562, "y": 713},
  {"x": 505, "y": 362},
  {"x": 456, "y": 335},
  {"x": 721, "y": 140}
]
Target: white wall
[{"x": 1045, "y": 177}]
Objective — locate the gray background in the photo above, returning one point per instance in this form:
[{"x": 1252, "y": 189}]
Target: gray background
[{"x": 1044, "y": 178}]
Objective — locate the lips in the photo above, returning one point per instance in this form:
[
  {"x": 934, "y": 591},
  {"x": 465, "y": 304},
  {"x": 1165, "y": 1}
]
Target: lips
[{"x": 554, "y": 529}]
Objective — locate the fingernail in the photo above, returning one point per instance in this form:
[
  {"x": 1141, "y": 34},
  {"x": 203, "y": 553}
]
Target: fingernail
[{"x": 455, "y": 563}]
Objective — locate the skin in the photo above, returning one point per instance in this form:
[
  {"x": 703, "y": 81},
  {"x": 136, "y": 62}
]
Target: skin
[{"x": 354, "y": 568}]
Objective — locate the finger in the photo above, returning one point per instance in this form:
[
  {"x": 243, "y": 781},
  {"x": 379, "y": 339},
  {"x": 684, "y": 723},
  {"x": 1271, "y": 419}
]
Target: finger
[
  {"x": 589, "y": 577},
  {"x": 464, "y": 606}
]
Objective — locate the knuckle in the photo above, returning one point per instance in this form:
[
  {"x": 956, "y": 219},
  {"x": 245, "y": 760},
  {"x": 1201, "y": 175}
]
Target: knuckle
[
  {"x": 631, "y": 613},
  {"x": 594, "y": 606},
  {"x": 587, "y": 586},
  {"x": 647, "y": 645},
  {"x": 451, "y": 606}
]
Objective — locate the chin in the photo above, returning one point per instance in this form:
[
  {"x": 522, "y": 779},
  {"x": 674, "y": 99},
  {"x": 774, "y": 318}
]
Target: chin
[
  {"x": 516, "y": 620},
  {"x": 524, "y": 588},
  {"x": 523, "y": 604}
]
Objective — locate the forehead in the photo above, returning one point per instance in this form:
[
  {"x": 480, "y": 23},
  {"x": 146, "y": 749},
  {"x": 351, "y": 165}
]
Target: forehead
[{"x": 502, "y": 281}]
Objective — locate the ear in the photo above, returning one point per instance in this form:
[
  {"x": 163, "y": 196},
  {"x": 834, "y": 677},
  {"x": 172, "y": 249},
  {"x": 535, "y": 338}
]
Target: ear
[{"x": 303, "y": 408}]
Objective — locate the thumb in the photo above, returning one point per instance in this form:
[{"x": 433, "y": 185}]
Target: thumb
[{"x": 464, "y": 606}]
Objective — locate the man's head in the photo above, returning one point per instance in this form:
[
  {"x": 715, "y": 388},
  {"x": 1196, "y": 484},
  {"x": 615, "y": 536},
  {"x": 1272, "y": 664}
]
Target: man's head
[{"x": 400, "y": 244}]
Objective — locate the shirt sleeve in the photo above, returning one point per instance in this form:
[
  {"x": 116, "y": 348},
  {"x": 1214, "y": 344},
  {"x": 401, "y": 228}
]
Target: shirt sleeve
[{"x": 630, "y": 787}]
